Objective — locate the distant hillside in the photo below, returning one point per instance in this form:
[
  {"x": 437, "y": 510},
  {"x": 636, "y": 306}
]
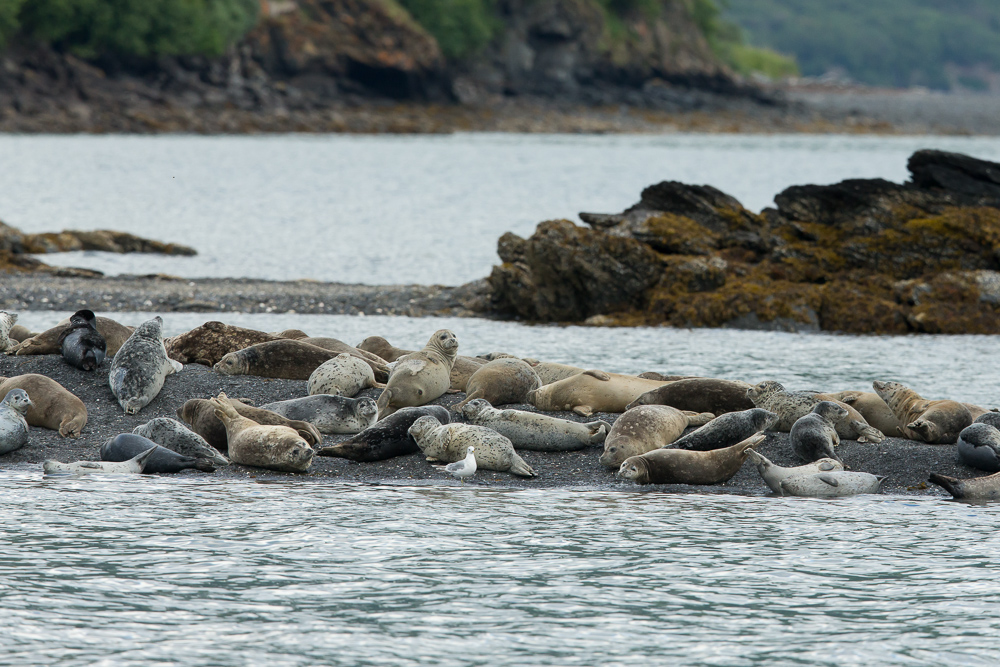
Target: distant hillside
[{"x": 943, "y": 44}]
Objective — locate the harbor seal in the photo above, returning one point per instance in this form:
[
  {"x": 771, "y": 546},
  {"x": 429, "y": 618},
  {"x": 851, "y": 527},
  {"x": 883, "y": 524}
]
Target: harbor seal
[
  {"x": 726, "y": 430},
  {"x": 208, "y": 344},
  {"x": 976, "y": 488},
  {"x": 387, "y": 438},
  {"x": 82, "y": 345},
  {"x": 933, "y": 422},
  {"x": 140, "y": 367},
  {"x": 177, "y": 437},
  {"x": 991, "y": 418},
  {"x": 7, "y": 322},
  {"x": 774, "y": 474},
  {"x": 814, "y": 435},
  {"x": 461, "y": 371},
  {"x": 450, "y": 442},
  {"x": 48, "y": 342},
  {"x": 133, "y": 466},
  {"x": 836, "y": 484},
  {"x": 646, "y": 428},
  {"x": 52, "y": 405},
  {"x": 979, "y": 447},
  {"x": 791, "y": 405},
  {"x": 378, "y": 365},
  {"x": 549, "y": 372},
  {"x": 501, "y": 382},
  {"x": 532, "y": 431},
  {"x": 262, "y": 446},
  {"x": 591, "y": 391},
  {"x": 421, "y": 377},
  {"x": 285, "y": 359},
  {"x": 13, "y": 425},
  {"x": 683, "y": 466},
  {"x": 343, "y": 375},
  {"x": 330, "y": 414},
  {"x": 125, "y": 446},
  {"x": 200, "y": 415},
  {"x": 699, "y": 395},
  {"x": 18, "y": 333},
  {"x": 875, "y": 411}
]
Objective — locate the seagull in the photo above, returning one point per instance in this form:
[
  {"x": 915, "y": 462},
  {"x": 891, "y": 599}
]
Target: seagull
[{"x": 464, "y": 468}]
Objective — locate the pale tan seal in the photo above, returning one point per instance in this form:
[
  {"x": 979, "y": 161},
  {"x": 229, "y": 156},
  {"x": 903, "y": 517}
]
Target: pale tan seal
[
  {"x": 50, "y": 340},
  {"x": 699, "y": 395},
  {"x": 591, "y": 391},
  {"x": 773, "y": 474},
  {"x": 262, "y": 446},
  {"x": 287, "y": 359},
  {"x": 646, "y": 428},
  {"x": 875, "y": 411},
  {"x": 344, "y": 375},
  {"x": 685, "y": 466},
  {"x": 791, "y": 405},
  {"x": 19, "y": 333},
  {"x": 200, "y": 415},
  {"x": 210, "y": 342},
  {"x": 549, "y": 372},
  {"x": 461, "y": 371},
  {"x": 530, "y": 430},
  {"x": 450, "y": 442},
  {"x": 54, "y": 407},
  {"x": 933, "y": 422},
  {"x": 501, "y": 382},
  {"x": 420, "y": 377}
]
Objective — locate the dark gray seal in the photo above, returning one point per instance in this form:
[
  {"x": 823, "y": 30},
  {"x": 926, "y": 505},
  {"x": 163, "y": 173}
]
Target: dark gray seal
[
  {"x": 991, "y": 418},
  {"x": 82, "y": 345},
  {"x": 13, "y": 425},
  {"x": 979, "y": 447},
  {"x": 699, "y": 395},
  {"x": 126, "y": 446},
  {"x": 387, "y": 438},
  {"x": 814, "y": 435},
  {"x": 140, "y": 367},
  {"x": 726, "y": 430},
  {"x": 177, "y": 437},
  {"x": 330, "y": 414}
]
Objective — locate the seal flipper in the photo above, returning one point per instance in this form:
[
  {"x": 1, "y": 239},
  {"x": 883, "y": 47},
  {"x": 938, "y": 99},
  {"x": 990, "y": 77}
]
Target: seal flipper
[
  {"x": 520, "y": 467},
  {"x": 598, "y": 431},
  {"x": 867, "y": 433},
  {"x": 383, "y": 402},
  {"x": 600, "y": 375},
  {"x": 584, "y": 410},
  {"x": 828, "y": 479}
]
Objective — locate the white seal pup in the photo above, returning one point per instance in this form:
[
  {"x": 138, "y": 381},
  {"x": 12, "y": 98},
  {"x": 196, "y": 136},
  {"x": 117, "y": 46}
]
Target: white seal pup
[
  {"x": 835, "y": 484},
  {"x": 464, "y": 468},
  {"x": 133, "y": 466},
  {"x": 448, "y": 443},
  {"x": 529, "y": 430},
  {"x": 140, "y": 367},
  {"x": 420, "y": 377},
  {"x": 177, "y": 437},
  {"x": 773, "y": 474},
  {"x": 7, "y": 322},
  {"x": 344, "y": 375},
  {"x": 13, "y": 425},
  {"x": 814, "y": 435},
  {"x": 330, "y": 414},
  {"x": 976, "y": 488},
  {"x": 979, "y": 447}
]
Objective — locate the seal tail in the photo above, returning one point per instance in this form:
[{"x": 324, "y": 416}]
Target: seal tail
[
  {"x": 867, "y": 433},
  {"x": 383, "y": 402},
  {"x": 598, "y": 431},
  {"x": 950, "y": 484},
  {"x": 469, "y": 397},
  {"x": 520, "y": 467},
  {"x": 752, "y": 441},
  {"x": 336, "y": 451},
  {"x": 699, "y": 418}
]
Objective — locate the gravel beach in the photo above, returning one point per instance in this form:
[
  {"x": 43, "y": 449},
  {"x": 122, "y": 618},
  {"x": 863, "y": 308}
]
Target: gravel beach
[{"x": 906, "y": 464}]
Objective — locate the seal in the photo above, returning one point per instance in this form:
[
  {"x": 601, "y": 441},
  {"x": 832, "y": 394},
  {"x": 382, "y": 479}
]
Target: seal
[
  {"x": 82, "y": 345},
  {"x": 726, "y": 430},
  {"x": 591, "y": 391},
  {"x": 13, "y": 425},
  {"x": 699, "y": 395},
  {"x": 7, "y": 322},
  {"x": 532, "y": 431},
  {"x": 177, "y": 437},
  {"x": 378, "y": 365},
  {"x": 52, "y": 405},
  {"x": 549, "y": 372},
  {"x": 979, "y": 447},
  {"x": 500, "y": 382},
  {"x": 836, "y": 484},
  {"x": 343, "y": 375},
  {"x": 991, "y": 418},
  {"x": 208, "y": 344},
  {"x": 814, "y": 435},
  {"x": 653, "y": 375},
  {"x": 200, "y": 415},
  {"x": 933, "y": 422},
  {"x": 773, "y": 474},
  {"x": 262, "y": 446},
  {"x": 683, "y": 466},
  {"x": 450, "y": 442},
  {"x": 875, "y": 411},
  {"x": 140, "y": 367},
  {"x": 48, "y": 342},
  {"x": 18, "y": 333},
  {"x": 977, "y": 488},
  {"x": 421, "y": 377},
  {"x": 125, "y": 446},
  {"x": 791, "y": 405},
  {"x": 285, "y": 359},
  {"x": 646, "y": 428},
  {"x": 387, "y": 438},
  {"x": 460, "y": 373},
  {"x": 133, "y": 466},
  {"x": 330, "y": 414}
]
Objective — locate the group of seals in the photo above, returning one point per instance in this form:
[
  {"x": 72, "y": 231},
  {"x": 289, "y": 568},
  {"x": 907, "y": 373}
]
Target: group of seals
[
  {"x": 200, "y": 415},
  {"x": 52, "y": 405},
  {"x": 420, "y": 377},
  {"x": 388, "y": 437},
  {"x": 259, "y": 445},
  {"x": 50, "y": 340},
  {"x": 140, "y": 367},
  {"x": 645, "y": 428},
  {"x": 791, "y": 405},
  {"x": 126, "y": 446},
  {"x": 461, "y": 370}
]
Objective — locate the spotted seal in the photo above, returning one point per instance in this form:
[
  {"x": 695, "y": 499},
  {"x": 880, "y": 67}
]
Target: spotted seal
[
  {"x": 450, "y": 442},
  {"x": 378, "y": 365},
  {"x": 133, "y": 466},
  {"x": 933, "y": 422},
  {"x": 979, "y": 447},
  {"x": 286, "y": 359},
  {"x": 13, "y": 425},
  {"x": 7, "y": 322},
  {"x": 330, "y": 414},
  {"x": 791, "y": 405},
  {"x": 343, "y": 375},
  {"x": 200, "y": 415},
  {"x": 835, "y": 484},
  {"x": 387, "y": 438},
  {"x": 684, "y": 466},
  {"x": 532, "y": 431},
  {"x": 52, "y": 405},
  {"x": 699, "y": 395},
  {"x": 126, "y": 446},
  {"x": 646, "y": 428},
  {"x": 591, "y": 391},
  {"x": 773, "y": 474},
  {"x": 501, "y": 382},
  {"x": 209, "y": 343},
  {"x": 991, "y": 418},
  {"x": 262, "y": 446},
  {"x": 48, "y": 342},
  {"x": 82, "y": 345},
  {"x": 726, "y": 430},
  {"x": 461, "y": 371},
  {"x": 177, "y": 437},
  {"x": 814, "y": 435},
  {"x": 421, "y": 377},
  {"x": 140, "y": 367},
  {"x": 977, "y": 488}
]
